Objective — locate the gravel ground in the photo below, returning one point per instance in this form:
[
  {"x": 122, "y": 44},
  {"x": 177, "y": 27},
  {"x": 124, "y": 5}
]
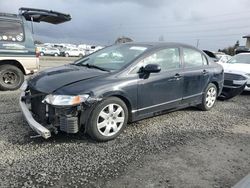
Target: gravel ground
[{"x": 187, "y": 148}]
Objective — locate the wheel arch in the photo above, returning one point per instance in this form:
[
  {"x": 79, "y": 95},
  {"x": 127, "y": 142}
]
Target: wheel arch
[
  {"x": 122, "y": 96},
  {"x": 128, "y": 104},
  {"x": 14, "y": 63},
  {"x": 217, "y": 86}
]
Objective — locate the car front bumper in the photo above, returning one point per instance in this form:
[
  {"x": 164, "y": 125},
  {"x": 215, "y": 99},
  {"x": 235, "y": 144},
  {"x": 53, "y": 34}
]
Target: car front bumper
[{"x": 37, "y": 127}]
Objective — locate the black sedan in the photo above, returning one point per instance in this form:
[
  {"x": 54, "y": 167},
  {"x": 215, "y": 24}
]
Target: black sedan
[{"x": 123, "y": 83}]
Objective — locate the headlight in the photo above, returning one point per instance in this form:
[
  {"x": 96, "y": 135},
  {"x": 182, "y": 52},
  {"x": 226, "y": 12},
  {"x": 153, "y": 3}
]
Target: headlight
[{"x": 65, "y": 100}]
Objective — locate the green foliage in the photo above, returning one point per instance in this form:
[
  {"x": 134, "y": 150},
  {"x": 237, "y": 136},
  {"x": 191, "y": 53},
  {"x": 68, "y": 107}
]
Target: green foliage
[{"x": 231, "y": 49}]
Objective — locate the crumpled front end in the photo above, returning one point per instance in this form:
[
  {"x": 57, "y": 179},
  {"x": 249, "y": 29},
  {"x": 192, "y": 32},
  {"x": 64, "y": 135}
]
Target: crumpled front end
[{"x": 45, "y": 118}]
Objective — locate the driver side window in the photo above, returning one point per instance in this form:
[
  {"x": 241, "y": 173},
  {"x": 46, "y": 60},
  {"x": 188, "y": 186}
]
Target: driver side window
[{"x": 167, "y": 59}]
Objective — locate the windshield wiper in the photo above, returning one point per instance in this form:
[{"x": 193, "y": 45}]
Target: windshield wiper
[{"x": 93, "y": 66}]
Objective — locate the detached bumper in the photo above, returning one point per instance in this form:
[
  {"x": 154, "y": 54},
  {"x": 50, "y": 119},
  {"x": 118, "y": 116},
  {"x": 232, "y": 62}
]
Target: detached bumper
[
  {"x": 231, "y": 90},
  {"x": 37, "y": 127}
]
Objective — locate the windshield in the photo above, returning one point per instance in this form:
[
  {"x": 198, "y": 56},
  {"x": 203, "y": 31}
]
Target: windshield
[
  {"x": 242, "y": 58},
  {"x": 114, "y": 57}
]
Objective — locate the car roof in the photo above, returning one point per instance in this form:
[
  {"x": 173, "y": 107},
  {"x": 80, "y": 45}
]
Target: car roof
[{"x": 159, "y": 44}]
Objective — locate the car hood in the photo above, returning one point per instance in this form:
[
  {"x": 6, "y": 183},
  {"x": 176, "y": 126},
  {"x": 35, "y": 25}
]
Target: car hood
[
  {"x": 236, "y": 67},
  {"x": 53, "y": 79}
]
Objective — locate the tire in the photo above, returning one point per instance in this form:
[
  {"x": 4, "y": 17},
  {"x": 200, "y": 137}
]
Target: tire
[
  {"x": 55, "y": 54},
  {"x": 11, "y": 77},
  {"x": 80, "y": 55},
  {"x": 41, "y": 54},
  {"x": 110, "y": 124},
  {"x": 209, "y": 97},
  {"x": 66, "y": 55}
]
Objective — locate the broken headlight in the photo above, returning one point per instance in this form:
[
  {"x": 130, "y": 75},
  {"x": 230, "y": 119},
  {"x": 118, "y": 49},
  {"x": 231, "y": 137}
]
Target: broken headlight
[{"x": 65, "y": 100}]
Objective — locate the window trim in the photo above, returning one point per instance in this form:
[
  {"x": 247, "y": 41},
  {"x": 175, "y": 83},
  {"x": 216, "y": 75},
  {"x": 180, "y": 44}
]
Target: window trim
[
  {"x": 206, "y": 60},
  {"x": 23, "y": 29}
]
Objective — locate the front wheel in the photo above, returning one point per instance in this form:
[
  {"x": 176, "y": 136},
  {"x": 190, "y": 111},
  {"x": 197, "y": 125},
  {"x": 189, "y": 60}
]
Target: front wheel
[
  {"x": 11, "y": 77},
  {"x": 209, "y": 97},
  {"x": 108, "y": 119}
]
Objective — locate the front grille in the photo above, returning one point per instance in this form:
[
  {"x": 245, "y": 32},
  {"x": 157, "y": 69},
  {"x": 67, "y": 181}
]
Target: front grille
[{"x": 231, "y": 76}]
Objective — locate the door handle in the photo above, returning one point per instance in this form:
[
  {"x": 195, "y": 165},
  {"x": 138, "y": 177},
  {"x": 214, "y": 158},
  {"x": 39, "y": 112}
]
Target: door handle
[
  {"x": 177, "y": 76},
  {"x": 205, "y": 72}
]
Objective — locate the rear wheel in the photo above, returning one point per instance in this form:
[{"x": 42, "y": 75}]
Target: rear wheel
[
  {"x": 11, "y": 77},
  {"x": 209, "y": 97},
  {"x": 55, "y": 54},
  {"x": 67, "y": 55},
  {"x": 41, "y": 54},
  {"x": 108, "y": 119}
]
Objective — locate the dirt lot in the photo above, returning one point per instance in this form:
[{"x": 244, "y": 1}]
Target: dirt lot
[{"x": 187, "y": 148}]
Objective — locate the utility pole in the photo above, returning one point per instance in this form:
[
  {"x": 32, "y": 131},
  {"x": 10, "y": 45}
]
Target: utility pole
[{"x": 198, "y": 43}]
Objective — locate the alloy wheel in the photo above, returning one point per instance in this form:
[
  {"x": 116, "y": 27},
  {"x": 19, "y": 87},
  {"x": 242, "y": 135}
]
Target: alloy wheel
[
  {"x": 110, "y": 120},
  {"x": 211, "y": 97}
]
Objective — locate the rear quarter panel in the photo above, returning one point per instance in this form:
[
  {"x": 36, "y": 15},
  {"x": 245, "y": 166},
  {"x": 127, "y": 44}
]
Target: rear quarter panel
[{"x": 217, "y": 76}]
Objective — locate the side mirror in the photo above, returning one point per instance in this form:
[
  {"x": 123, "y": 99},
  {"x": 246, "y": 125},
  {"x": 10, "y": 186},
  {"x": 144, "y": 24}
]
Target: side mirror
[{"x": 151, "y": 68}]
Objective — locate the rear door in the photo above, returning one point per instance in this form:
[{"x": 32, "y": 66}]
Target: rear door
[
  {"x": 41, "y": 15},
  {"x": 196, "y": 74}
]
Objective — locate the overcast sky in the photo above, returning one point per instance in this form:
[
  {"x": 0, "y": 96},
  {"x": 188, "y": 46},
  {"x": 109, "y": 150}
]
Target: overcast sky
[{"x": 216, "y": 24}]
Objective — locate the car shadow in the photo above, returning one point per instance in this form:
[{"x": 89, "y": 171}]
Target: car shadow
[
  {"x": 62, "y": 137},
  {"x": 245, "y": 93}
]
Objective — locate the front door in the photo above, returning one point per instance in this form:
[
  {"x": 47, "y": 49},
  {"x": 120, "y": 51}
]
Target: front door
[{"x": 163, "y": 90}]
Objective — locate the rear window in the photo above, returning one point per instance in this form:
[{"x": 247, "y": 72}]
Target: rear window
[{"x": 11, "y": 31}]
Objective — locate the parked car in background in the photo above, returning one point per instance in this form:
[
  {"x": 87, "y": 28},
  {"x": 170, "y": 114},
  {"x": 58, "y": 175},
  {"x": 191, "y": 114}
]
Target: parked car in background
[
  {"x": 49, "y": 51},
  {"x": 119, "y": 84},
  {"x": 239, "y": 63},
  {"x": 242, "y": 49},
  {"x": 92, "y": 49},
  {"x": 74, "y": 52},
  {"x": 224, "y": 58},
  {"x": 18, "y": 56}
]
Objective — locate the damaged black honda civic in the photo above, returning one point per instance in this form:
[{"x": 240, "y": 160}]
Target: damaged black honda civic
[{"x": 102, "y": 92}]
